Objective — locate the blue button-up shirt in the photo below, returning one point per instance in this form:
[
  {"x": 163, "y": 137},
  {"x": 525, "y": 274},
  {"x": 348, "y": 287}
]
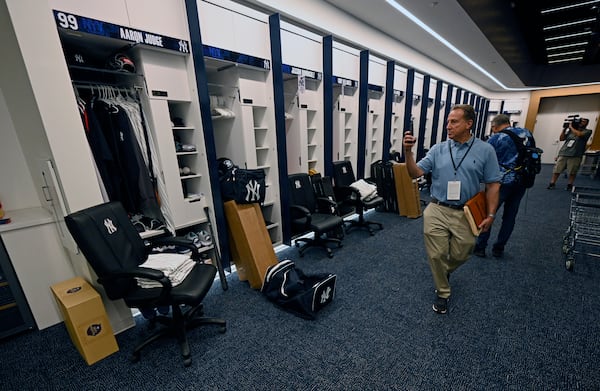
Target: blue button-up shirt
[{"x": 480, "y": 165}]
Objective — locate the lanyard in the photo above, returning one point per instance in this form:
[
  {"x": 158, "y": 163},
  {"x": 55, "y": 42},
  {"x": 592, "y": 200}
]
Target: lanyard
[{"x": 463, "y": 158}]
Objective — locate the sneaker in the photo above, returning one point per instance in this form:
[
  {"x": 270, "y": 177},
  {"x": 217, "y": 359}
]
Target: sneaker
[
  {"x": 194, "y": 238},
  {"x": 441, "y": 305},
  {"x": 497, "y": 252},
  {"x": 480, "y": 252},
  {"x": 551, "y": 186},
  {"x": 204, "y": 238},
  {"x": 569, "y": 187}
]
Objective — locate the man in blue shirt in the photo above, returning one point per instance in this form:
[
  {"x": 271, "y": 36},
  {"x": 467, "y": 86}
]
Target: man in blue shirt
[
  {"x": 458, "y": 166},
  {"x": 511, "y": 190}
]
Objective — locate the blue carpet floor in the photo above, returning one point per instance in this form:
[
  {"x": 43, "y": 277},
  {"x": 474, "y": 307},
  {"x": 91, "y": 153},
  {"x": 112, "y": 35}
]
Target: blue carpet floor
[{"x": 515, "y": 323}]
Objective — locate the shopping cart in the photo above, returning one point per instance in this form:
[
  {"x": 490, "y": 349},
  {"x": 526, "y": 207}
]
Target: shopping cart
[
  {"x": 582, "y": 238},
  {"x": 590, "y": 163}
]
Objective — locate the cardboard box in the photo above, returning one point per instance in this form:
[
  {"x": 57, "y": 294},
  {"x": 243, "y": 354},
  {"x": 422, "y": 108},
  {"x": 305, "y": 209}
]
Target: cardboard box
[
  {"x": 250, "y": 243},
  {"x": 407, "y": 192},
  {"x": 85, "y": 319}
]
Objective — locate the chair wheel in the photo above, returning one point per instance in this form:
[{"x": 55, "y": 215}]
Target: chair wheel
[
  {"x": 135, "y": 357},
  {"x": 569, "y": 265},
  {"x": 340, "y": 244},
  {"x": 297, "y": 244},
  {"x": 330, "y": 254},
  {"x": 187, "y": 361},
  {"x": 222, "y": 330}
]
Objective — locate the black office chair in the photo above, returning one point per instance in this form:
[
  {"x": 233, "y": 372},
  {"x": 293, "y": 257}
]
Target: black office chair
[
  {"x": 349, "y": 199},
  {"x": 306, "y": 218},
  {"x": 114, "y": 249}
]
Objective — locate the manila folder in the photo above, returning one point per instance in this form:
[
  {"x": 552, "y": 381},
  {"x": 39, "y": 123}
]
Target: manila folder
[{"x": 476, "y": 211}]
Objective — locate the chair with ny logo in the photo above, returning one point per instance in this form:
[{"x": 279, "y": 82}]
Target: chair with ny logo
[{"x": 121, "y": 259}]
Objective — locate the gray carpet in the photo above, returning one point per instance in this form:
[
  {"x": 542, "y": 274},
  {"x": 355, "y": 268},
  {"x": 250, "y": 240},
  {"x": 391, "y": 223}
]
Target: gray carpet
[{"x": 520, "y": 322}]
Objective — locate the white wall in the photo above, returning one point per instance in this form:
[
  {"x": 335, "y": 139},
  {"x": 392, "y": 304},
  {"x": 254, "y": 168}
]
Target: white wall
[{"x": 14, "y": 176}]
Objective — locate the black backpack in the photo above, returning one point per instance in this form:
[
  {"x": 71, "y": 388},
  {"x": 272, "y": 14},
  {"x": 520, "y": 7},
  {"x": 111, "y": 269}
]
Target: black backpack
[
  {"x": 244, "y": 186},
  {"x": 529, "y": 160}
]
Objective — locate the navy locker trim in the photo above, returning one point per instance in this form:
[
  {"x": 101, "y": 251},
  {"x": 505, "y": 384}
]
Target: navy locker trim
[
  {"x": 447, "y": 109},
  {"x": 408, "y": 101},
  {"x": 423, "y": 117},
  {"x": 387, "y": 116},
  {"x": 437, "y": 105},
  {"x": 328, "y": 105},
  {"x": 363, "y": 95},
  {"x": 208, "y": 131},
  {"x": 458, "y": 96},
  {"x": 278, "y": 101}
]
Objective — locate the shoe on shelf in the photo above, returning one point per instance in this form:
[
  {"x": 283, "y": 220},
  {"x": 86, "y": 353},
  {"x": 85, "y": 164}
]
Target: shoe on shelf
[
  {"x": 497, "y": 252},
  {"x": 551, "y": 186},
  {"x": 204, "y": 238},
  {"x": 194, "y": 238},
  {"x": 569, "y": 187},
  {"x": 440, "y": 306},
  {"x": 480, "y": 252}
]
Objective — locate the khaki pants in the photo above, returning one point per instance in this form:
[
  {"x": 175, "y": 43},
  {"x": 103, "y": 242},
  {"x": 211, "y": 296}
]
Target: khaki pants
[
  {"x": 449, "y": 243},
  {"x": 570, "y": 163}
]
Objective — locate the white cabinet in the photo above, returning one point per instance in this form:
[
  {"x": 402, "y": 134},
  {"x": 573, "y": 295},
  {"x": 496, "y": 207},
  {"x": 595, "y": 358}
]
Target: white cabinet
[
  {"x": 345, "y": 123},
  {"x": 244, "y": 127},
  {"x": 304, "y": 125},
  {"x": 39, "y": 260},
  {"x": 183, "y": 163},
  {"x": 397, "y": 119},
  {"x": 374, "y": 131}
]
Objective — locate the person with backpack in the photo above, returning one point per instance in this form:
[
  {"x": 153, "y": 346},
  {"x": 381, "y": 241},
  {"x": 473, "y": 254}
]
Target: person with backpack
[{"x": 514, "y": 180}]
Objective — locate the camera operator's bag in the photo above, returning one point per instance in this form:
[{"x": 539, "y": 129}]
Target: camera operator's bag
[
  {"x": 529, "y": 160},
  {"x": 244, "y": 186},
  {"x": 293, "y": 291}
]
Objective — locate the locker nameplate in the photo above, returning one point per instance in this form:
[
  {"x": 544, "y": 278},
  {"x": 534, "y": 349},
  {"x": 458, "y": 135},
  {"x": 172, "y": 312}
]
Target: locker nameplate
[{"x": 83, "y": 24}]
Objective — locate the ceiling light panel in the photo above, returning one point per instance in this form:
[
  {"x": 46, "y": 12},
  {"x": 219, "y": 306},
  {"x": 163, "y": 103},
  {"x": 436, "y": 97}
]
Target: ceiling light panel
[
  {"x": 569, "y": 24},
  {"x": 569, "y": 6},
  {"x": 565, "y": 36},
  {"x": 570, "y": 59}
]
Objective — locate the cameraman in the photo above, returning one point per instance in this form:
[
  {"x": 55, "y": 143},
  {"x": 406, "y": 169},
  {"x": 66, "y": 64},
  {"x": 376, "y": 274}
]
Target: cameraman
[{"x": 575, "y": 139}]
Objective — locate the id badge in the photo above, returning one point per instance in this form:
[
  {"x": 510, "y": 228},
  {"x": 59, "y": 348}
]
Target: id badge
[{"x": 453, "y": 191}]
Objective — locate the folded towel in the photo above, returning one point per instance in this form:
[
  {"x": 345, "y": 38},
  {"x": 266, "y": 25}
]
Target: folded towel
[
  {"x": 175, "y": 267},
  {"x": 365, "y": 189}
]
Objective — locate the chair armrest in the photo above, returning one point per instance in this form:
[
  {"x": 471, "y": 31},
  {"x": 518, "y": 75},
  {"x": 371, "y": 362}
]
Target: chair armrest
[
  {"x": 176, "y": 241},
  {"x": 142, "y": 272},
  {"x": 304, "y": 212},
  {"x": 353, "y": 193},
  {"x": 327, "y": 204}
]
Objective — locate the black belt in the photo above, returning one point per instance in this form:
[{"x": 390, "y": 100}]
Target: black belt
[{"x": 447, "y": 205}]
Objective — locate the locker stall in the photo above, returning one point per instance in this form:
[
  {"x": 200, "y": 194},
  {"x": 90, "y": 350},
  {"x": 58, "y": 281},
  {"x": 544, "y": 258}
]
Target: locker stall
[
  {"x": 346, "y": 68},
  {"x": 302, "y": 54},
  {"x": 437, "y": 121},
  {"x": 514, "y": 108},
  {"x": 418, "y": 101},
  {"x": 429, "y": 112},
  {"x": 240, "y": 84},
  {"x": 400, "y": 75},
  {"x": 375, "y": 112}
]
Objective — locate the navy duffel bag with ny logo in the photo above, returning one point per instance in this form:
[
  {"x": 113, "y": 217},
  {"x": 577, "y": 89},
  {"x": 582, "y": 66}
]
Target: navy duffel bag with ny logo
[{"x": 293, "y": 291}]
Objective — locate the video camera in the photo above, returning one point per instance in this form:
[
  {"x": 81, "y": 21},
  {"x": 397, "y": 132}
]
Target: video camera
[{"x": 573, "y": 120}]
